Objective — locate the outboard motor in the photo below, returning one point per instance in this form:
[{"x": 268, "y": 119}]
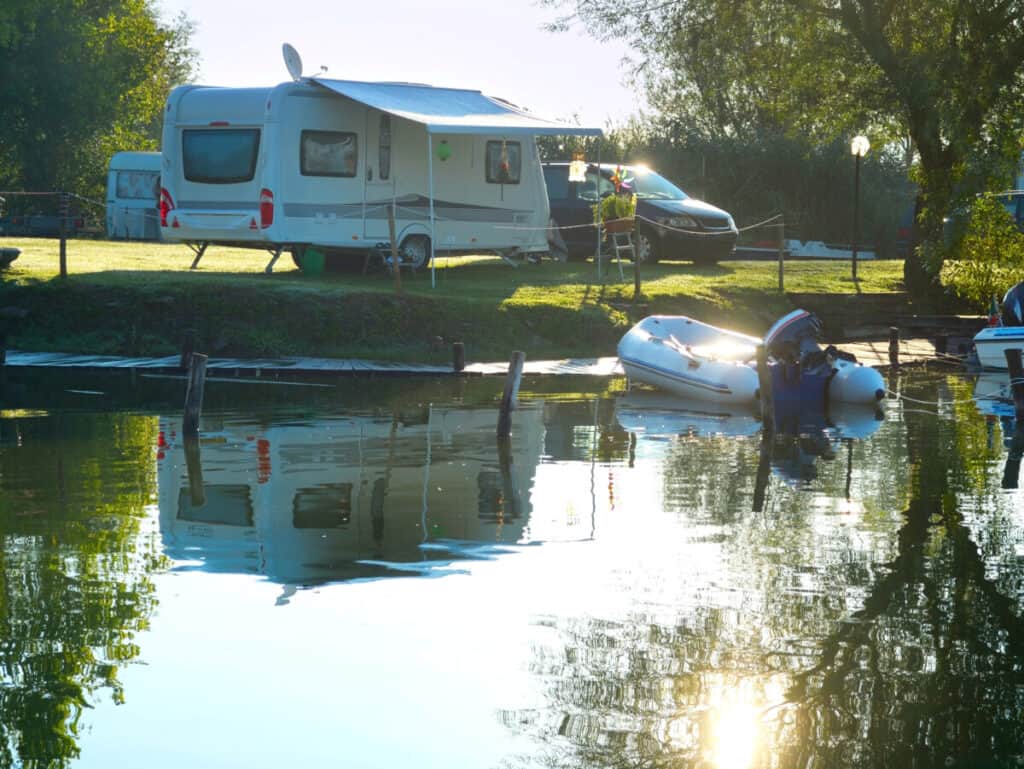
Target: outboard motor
[
  {"x": 1013, "y": 306},
  {"x": 794, "y": 336}
]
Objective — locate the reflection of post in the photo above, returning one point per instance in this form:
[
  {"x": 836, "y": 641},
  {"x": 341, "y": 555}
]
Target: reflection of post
[
  {"x": 849, "y": 466},
  {"x": 195, "y": 471},
  {"x": 764, "y": 466},
  {"x": 1013, "y": 365},
  {"x": 510, "y": 498},
  {"x": 1011, "y": 473},
  {"x": 508, "y": 398}
]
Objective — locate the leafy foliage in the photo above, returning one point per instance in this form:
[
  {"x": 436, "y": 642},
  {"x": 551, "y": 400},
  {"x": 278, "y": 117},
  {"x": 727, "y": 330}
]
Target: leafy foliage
[
  {"x": 943, "y": 77},
  {"x": 615, "y": 207},
  {"x": 991, "y": 254},
  {"x": 80, "y": 81}
]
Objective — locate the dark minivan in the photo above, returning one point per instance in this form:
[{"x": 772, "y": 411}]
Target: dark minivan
[{"x": 670, "y": 224}]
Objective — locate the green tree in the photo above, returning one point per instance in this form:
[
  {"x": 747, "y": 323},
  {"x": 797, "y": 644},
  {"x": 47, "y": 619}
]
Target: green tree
[
  {"x": 991, "y": 254},
  {"x": 944, "y": 75},
  {"x": 79, "y": 81}
]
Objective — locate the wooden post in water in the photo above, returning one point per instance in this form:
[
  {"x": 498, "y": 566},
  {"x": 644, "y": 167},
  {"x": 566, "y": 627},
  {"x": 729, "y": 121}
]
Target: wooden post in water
[
  {"x": 194, "y": 394},
  {"x": 894, "y": 346},
  {"x": 395, "y": 263},
  {"x": 1013, "y": 364},
  {"x": 508, "y": 397},
  {"x": 63, "y": 209},
  {"x": 458, "y": 357},
  {"x": 187, "y": 348},
  {"x": 764, "y": 381},
  {"x": 195, "y": 471},
  {"x": 3, "y": 349}
]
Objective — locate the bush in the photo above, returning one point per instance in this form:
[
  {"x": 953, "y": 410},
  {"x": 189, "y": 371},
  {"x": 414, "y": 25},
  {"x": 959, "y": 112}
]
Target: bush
[{"x": 991, "y": 254}]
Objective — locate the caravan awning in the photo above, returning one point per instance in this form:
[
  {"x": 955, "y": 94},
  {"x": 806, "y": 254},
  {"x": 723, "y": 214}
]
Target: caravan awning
[{"x": 451, "y": 110}]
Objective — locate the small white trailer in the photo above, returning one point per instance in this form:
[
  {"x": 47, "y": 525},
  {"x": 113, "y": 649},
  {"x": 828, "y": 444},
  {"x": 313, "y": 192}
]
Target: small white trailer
[
  {"x": 318, "y": 163},
  {"x": 133, "y": 188}
]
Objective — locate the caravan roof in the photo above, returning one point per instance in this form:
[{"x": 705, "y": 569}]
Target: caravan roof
[
  {"x": 135, "y": 161},
  {"x": 451, "y": 110}
]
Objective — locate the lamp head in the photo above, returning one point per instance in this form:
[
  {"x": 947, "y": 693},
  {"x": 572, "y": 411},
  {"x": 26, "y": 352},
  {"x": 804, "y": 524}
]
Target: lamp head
[{"x": 859, "y": 146}]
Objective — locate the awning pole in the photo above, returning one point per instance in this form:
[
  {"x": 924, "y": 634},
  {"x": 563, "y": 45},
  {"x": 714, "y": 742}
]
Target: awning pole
[
  {"x": 430, "y": 176},
  {"x": 597, "y": 192}
]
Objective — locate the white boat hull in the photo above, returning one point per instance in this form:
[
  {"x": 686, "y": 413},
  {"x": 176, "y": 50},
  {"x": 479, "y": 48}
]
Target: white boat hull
[
  {"x": 698, "y": 361},
  {"x": 677, "y": 354},
  {"x": 993, "y": 342}
]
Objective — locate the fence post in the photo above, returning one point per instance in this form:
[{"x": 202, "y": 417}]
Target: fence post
[
  {"x": 458, "y": 356},
  {"x": 508, "y": 397},
  {"x": 63, "y": 211},
  {"x": 782, "y": 254}
]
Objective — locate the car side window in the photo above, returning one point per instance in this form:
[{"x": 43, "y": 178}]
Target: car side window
[
  {"x": 594, "y": 184},
  {"x": 556, "y": 178}
]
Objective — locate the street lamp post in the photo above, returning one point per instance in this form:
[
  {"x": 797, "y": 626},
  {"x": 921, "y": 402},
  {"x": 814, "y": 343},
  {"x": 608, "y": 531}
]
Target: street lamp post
[{"x": 858, "y": 148}]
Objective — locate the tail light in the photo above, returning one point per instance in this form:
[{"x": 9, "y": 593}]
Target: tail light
[
  {"x": 266, "y": 208},
  {"x": 166, "y": 206}
]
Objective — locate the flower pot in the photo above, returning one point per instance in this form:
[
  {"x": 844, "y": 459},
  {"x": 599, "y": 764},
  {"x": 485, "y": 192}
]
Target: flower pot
[{"x": 619, "y": 225}]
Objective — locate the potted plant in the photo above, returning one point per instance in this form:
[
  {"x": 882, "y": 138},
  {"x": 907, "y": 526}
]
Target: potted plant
[{"x": 616, "y": 213}]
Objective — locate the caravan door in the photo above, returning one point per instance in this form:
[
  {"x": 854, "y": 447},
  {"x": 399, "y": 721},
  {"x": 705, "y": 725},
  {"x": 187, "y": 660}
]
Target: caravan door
[{"x": 380, "y": 177}]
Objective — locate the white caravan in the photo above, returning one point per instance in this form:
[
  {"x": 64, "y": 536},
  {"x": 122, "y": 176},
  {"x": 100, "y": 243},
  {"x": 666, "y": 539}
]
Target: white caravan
[
  {"x": 133, "y": 188},
  {"x": 318, "y": 162}
]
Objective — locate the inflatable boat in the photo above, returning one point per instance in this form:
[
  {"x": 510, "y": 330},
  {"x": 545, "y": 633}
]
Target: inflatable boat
[{"x": 696, "y": 360}]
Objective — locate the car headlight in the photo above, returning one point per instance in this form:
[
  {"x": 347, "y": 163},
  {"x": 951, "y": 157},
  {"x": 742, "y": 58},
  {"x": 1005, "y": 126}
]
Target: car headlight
[{"x": 680, "y": 221}]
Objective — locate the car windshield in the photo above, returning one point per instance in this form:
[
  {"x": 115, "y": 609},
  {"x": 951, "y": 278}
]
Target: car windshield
[{"x": 651, "y": 186}]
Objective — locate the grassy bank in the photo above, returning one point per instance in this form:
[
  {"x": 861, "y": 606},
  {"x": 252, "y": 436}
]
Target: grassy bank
[{"x": 141, "y": 299}]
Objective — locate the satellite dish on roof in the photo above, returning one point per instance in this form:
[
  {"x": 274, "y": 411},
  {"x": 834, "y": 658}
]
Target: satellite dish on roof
[{"x": 292, "y": 61}]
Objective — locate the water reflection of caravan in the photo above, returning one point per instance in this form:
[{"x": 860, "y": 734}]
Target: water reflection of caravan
[{"x": 347, "y": 497}]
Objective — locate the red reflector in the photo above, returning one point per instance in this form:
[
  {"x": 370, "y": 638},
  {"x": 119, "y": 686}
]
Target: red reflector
[
  {"x": 175, "y": 224},
  {"x": 219, "y": 122},
  {"x": 266, "y": 208},
  {"x": 252, "y": 224},
  {"x": 166, "y": 206}
]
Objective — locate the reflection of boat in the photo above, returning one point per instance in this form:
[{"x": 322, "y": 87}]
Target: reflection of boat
[
  {"x": 346, "y": 497},
  {"x": 657, "y": 414},
  {"x": 696, "y": 360},
  {"x": 992, "y": 394}
]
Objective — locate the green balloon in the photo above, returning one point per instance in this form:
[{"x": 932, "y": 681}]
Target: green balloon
[{"x": 444, "y": 151}]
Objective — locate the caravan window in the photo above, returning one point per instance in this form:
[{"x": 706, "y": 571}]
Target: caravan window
[
  {"x": 504, "y": 162},
  {"x": 327, "y": 153},
  {"x": 138, "y": 185},
  {"x": 384, "y": 161},
  {"x": 220, "y": 155}
]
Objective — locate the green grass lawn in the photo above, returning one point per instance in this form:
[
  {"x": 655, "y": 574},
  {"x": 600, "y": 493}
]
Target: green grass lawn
[{"x": 141, "y": 298}]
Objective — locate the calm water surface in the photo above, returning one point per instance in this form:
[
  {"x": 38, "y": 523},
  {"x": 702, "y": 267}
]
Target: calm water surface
[{"x": 360, "y": 576}]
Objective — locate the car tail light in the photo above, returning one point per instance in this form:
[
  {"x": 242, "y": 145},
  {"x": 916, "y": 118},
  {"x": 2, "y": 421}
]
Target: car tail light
[
  {"x": 266, "y": 208},
  {"x": 166, "y": 206}
]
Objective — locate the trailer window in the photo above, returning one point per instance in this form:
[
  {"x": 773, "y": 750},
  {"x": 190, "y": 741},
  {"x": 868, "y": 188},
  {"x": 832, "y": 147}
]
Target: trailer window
[
  {"x": 327, "y": 153},
  {"x": 504, "y": 162},
  {"x": 384, "y": 161},
  {"x": 220, "y": 155},
  {"x": 138, "y": 185}
]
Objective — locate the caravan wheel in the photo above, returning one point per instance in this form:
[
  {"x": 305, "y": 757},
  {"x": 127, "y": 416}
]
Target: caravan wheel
[{"x": 415, "y": 251}]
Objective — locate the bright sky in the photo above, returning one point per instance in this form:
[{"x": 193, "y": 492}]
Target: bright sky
[{"x": 496, "y": 46}]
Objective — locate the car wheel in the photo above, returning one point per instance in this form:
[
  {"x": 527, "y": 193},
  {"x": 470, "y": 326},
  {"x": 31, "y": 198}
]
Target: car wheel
[
  {"x": 646, "y": 248},
  {"x": 415, "y": 251}
]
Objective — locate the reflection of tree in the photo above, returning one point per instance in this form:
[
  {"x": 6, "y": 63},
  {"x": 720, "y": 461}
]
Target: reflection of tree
[
  {"x": 74, "y": 585},
  {"x": 853, "y": 661}
]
